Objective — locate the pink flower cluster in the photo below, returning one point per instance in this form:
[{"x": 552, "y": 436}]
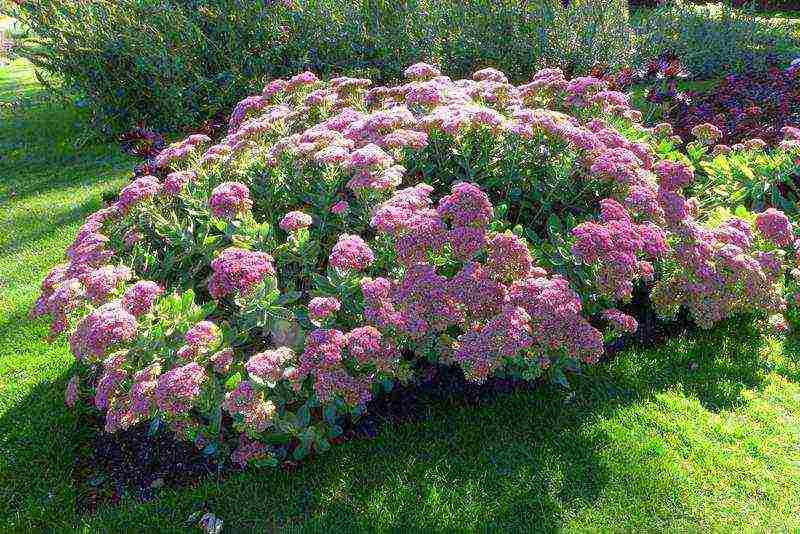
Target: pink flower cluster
[
  {"x": 556, "y": 321},
  {"x": 320, "y": 308},
  {"x": 620, "y": 249},
  {"x": 351, "y": 252},
  {"x": 229, "y": 200},
  {"x": 142, "y": 188},
  {"x": 775, "y": 226},
  {"x": 295, "y": 220},
  {"x": 673, "y": 176},
  {"x": 324, "y": 358},
  {"x": 99, "y": 283},
  {"x": 619, "y": 321},
  {"x": 719, "y": 274},
  {"x": 580, "y": 91},
  {"x": 180, "y": 151},
  {"x": 87, "y": 277},
  {"x": 422, "y": 71},
  {"x": 248, "y": 451},
  {"x": 202, "y": 335},
  {"x": 179, "y": 388},
  {"x": 271, "y": 366},
  {"x": 176, "y": 181},
  {"x": 105, "y": 327},
  {"x": 247, "y": 402},
  {"x": 138, "y": 299},
  {"x": 236, "y": 270},
  {"x": 246, "y": 106},
  {"x": 494, "y": 302}
]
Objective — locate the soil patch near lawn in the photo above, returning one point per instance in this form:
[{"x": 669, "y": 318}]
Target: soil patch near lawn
[{"x": 138, "y": 462}]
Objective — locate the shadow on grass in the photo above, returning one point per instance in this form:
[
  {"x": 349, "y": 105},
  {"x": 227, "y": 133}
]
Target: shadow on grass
[
  {"x": 31, "y": 229},
  {"x": 37, "y": 435},
  {"x": 50, "y": 146},
  {"x": 527, "y": 460}
]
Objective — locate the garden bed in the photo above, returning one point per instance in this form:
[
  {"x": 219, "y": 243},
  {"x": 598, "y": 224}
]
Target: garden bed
[
  {"x": 138, "y": 462},
  {"x": 346, "y": 255}
]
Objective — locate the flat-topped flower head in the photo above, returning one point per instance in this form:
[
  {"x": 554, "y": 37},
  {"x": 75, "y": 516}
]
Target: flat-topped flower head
[
  {"x": 295, "y": 220},
  {"x": 236, "y": 270},
  {"x": 202, "y": 335},
  {"x": 621, "y": 322},
  {"x": 270, "y": 366},
  {"x": 351, "y": 252},
  {"x": 229, "y": 200},
  {"x": 138, "y": 299},
  {"x": 137, "y": 191},
  {"x": 176, "y": 181},
  {"x": 421, "y": 71},
  {"x": 466, "y": 206},
  {"x": 791, "y": 133},
  {"x": 105, "y": 327},
  {"x": 490, "y": 74},
  {"x": 320, "y": 308},
  {"x": 755, "y": 144},
  {"x": 178, "y": 388},
  {"x": 508, "y": 257},
  {"x": 340, "y": 208},
  {"x": 775, "y": 226},
  {"x": 302, "y": 79},
  {"x": 707, "y": 133},
  {"x": 101, "y": 282},
  {"x": 673, "y": 175}
]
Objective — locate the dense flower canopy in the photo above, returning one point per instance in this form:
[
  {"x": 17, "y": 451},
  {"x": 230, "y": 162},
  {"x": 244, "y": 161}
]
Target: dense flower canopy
[{"x": 287, "y": 273}]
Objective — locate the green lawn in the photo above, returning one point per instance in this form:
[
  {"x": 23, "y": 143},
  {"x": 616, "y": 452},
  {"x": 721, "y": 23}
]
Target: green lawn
[{"x": 701, "y": 434}]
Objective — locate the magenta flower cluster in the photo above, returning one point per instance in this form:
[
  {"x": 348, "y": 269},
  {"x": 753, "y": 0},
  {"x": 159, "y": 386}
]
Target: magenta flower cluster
[
  {"x": 237, "y": 270},
  {"x": 351, "y": 252},
  {"x": 229, "y": 200},
  {"x": 621, "y": 250}
]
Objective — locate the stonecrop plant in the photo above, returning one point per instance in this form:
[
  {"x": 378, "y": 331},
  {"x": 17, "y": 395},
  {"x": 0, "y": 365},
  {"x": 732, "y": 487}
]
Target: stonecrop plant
[{"x": 252, "y": 291}]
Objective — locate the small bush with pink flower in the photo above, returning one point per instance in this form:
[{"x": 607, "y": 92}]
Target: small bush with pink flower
[{"x": 254, "y": 290}]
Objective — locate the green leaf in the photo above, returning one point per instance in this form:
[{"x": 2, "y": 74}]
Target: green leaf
[
  {"x": 233, "y": 381},
  {"x": 267, "y": 461},
  {"x": 300, "y": 452},
  {"x": 277, "y": 438},
  {"x": 155, "y": 425},
  {"x": 187, "y": 299},
  {"x": 303, "y": 416},
  {"x": 330, "y": 413},
  {"x": 288, "y": 298},
  {"x": 323, "y": 445}
]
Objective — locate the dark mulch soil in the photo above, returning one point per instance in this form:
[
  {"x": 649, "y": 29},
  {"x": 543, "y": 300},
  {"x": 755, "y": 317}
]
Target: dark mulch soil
[
  {"x": 133, "y": 463},
  {"x": 137, "y": 463}
]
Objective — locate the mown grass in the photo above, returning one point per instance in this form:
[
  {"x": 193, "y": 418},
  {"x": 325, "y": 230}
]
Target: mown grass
[
  {"x": 47, "y": 185},
  {"x": 701, "y": 434}
]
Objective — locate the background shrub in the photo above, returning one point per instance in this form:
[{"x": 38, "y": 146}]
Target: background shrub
[
  {"x": 768, "y": 4},
  {"x": 712, "y": 40},
  {"x": 755, "y": 104},
  {"x": 174, "y": 63}
]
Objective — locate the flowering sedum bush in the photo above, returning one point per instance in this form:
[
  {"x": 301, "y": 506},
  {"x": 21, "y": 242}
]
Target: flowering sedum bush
[{"x": 253, "y": 290}]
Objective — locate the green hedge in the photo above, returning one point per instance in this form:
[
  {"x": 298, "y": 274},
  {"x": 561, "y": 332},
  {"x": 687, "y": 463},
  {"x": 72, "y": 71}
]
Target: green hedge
[
  {"x": 716, "y": 39},
  {"x": 172, "y": 64}
]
